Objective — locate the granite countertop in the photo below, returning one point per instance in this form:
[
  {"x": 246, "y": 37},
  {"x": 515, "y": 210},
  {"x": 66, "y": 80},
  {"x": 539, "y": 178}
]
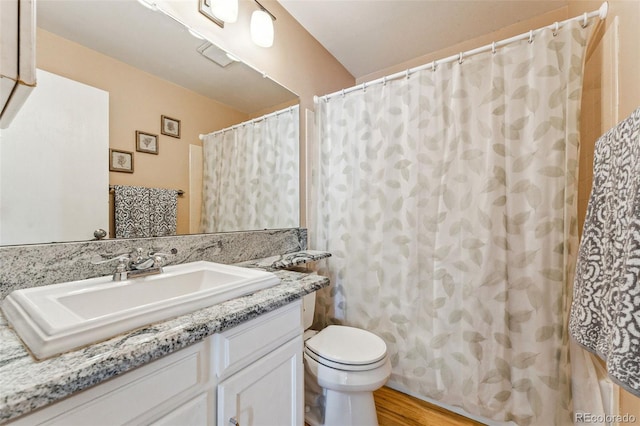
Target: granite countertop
[{"x": 27, "y": 384}]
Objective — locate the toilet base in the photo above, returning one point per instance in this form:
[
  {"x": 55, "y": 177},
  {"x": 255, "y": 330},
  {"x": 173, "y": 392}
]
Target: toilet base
[
  {"x": 350, "y": 408},
  {"x": 344, "y": 409}
]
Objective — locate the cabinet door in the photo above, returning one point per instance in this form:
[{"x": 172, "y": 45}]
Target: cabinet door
[
  {"x": 192, "y": 413},
  {"x": 267, "y": 392}
]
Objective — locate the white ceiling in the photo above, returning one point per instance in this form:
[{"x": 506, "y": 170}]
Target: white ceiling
[{"x": 370, "y": 35}]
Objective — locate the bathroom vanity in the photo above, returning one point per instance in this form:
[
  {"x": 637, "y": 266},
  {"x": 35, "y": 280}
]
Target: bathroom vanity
[
  {"x": 236, "y": 362},
  {"x": 250, "y": 372}
]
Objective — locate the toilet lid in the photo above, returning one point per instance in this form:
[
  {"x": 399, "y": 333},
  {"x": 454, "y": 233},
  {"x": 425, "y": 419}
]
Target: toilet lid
[{"x": 347, "y": 345}]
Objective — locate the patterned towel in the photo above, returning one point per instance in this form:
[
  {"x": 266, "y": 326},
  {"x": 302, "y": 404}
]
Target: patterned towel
[
  {"x": 145, "y": 212},
  {"x": 605, "y": 313},
  {"x": 163, "y": 216}
]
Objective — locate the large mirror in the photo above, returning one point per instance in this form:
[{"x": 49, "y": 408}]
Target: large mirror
[{"x": 151, "y": 69}]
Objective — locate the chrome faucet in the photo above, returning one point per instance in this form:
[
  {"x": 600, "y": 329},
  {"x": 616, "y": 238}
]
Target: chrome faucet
[{"x": 136, "y": 263}]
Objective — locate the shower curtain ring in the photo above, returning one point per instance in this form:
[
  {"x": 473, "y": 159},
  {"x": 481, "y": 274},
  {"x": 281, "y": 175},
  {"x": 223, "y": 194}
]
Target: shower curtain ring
[
  {"x": 364, "y": 87},
  {"x": 493, "y": 47},
  {"x": 342, "y": 91},
  {"x": 531, "y": 36},
  {"x": 556, "y": 26},
  {"x": 584, "y": 20},
  {"x": 460, "y": 58},
  {"x": 407, "y": 74},
  {"x": 435, "y": 65},
  {"x": 384, "y": 80}
]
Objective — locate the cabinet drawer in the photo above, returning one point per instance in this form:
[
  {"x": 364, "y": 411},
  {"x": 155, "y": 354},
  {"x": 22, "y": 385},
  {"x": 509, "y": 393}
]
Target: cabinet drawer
[
  {"x": 239, "y": 346},
  {"x": 131, "y": 397}
]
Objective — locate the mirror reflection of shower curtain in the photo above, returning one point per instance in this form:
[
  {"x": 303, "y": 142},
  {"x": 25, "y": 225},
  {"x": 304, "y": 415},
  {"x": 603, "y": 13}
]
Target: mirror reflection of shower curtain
[
  {"x": 251, "y": 175},
  {"x": 448, "y": 201}
]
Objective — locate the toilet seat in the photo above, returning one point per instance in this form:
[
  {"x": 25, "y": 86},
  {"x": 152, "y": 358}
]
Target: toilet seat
[{"x": 347, "y": 348}]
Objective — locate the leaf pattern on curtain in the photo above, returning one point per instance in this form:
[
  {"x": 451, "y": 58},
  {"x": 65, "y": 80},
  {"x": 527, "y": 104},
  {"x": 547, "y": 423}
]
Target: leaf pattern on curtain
[
  {"x": 251, "y": 175},
  {"x": 448, "y": 201}
]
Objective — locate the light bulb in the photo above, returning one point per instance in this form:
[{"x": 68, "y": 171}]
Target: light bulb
[
  {"x": 261, "y": 28},
  {"x": 225, "y": 10}
]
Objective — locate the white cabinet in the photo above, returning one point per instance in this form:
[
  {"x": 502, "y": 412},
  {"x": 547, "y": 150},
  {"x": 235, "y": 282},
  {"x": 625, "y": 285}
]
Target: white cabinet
[
  {"x": 17, "y": 56},
  {"x": 194, "y": 412},
  {"x": 251, "y": 373},
  {"x": 267, "y": 393},
  {"x": 139, "y": 397},
  {"x": 259, "y": 368}
]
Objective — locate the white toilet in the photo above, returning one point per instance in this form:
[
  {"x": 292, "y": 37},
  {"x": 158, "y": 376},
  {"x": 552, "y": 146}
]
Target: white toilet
[{"x": 343, "y": 366}]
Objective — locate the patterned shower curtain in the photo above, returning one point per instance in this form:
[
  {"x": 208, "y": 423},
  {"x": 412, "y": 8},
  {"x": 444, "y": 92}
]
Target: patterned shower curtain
[
  {"x": 448, "y": 200},
  {"x": 251, "y": 175}
]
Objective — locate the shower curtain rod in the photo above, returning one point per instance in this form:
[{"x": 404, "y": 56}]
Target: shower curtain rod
[
  {"x": 244, "y": 123},
  {"x": 601, "y": 13}
]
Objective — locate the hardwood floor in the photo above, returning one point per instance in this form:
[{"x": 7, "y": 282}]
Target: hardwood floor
[{"x": 398, "y": 409}]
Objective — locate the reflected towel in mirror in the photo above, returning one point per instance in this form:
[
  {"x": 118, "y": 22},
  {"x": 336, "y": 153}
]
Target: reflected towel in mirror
[{"x": 145, "y": 212}]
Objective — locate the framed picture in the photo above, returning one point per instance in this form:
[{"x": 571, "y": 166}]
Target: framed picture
[
  {"x": 170, "y": 127},
  {"x": 146, "y": 142},
  {"x": 204, "y": 7},
  {"x": 120, "y": 161}
]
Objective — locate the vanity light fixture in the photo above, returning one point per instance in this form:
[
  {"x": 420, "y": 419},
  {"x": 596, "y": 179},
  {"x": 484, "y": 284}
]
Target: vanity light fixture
[
  {"x": 262, "y": 26},
  {"x": 225, "y": 10}
]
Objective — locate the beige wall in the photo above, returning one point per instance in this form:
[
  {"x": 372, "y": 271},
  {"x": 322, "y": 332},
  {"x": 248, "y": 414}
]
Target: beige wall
[
  {"x": 612, "y": 92},
  {"x": 136, "y": 102}
]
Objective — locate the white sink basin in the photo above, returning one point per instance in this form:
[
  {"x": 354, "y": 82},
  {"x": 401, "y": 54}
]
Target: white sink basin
[{"x": 57, "y": 318}]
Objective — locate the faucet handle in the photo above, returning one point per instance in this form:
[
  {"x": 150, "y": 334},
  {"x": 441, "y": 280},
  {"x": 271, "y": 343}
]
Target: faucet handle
[
  {"x": 159, "y": 258},
  {"x": 136, "y": 255}
]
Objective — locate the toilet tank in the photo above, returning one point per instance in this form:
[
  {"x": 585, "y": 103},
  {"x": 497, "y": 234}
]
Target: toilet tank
[{"x": 308, "y": 308}]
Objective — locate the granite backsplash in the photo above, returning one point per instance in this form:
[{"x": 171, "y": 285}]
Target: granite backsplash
[{"x": 42, "y": 264}]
